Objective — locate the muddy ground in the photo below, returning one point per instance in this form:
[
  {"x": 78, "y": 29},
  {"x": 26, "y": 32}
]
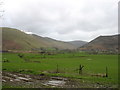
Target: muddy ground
[{"x": 17, "y": 80}]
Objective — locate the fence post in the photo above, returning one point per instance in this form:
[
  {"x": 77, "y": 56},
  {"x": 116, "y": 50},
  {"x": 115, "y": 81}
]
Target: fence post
[
  {"x": 106, "y": 72},
  {"x": 57, "y": 69},
  {"x": 80, "y": 69}
]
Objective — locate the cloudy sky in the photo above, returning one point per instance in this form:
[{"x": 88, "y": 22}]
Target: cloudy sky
[{"x": 64, "y": 20}]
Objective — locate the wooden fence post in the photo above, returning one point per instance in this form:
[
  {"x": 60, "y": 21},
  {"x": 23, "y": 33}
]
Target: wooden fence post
[
  {"x": 57, "y": 71},
  {"x": 106, "y": 72},
  {"x": 80, "y": 69}
]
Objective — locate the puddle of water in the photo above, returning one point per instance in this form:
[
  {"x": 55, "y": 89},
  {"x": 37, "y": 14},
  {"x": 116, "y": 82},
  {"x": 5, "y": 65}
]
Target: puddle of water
[
  {"x": 3, "y": 80},
  {"x": 59, "y": 78},
  {"x": 17, "y": 80},
  {"x": 11, "y": 80},
  {"x": 15, "y": 77},
  {"x": 55, "y": 83},
  {"x": 22, "y": 78},
  {"x": 7, "y": 77}
]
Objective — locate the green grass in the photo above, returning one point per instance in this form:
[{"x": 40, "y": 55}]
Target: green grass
[{"x": 67, "y": 65}]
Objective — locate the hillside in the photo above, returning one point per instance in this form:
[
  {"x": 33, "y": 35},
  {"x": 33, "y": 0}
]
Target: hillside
[
  {"x": 13, "y": 39},
  {"x": 102, "y": 44},
  {"x": 78, "y": 43}
]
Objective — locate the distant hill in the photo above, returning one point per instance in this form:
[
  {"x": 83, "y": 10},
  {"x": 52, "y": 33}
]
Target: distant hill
[
  {"x": 13, "y": 39},
  {"x": 78, "y": 43},
  {"x": 102, "y": 44}
]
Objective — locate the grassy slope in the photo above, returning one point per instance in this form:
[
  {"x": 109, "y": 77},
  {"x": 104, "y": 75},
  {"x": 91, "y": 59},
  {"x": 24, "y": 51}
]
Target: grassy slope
[
  {"x": 54, "y": 43},
  {"x": 13, "y": 38},
  {"x": 67, "y": 64},
  {"x": 108, "y": 43},
  {"x": 78, "y": 43}
]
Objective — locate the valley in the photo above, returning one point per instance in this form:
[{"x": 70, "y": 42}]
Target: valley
[{"x": 32, "y": 61}]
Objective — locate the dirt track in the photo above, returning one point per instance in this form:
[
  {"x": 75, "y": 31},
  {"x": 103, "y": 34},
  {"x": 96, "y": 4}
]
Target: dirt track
[{"x": 43, "y": 81}]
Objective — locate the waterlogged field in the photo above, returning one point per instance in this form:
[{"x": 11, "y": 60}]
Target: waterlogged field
[{"x": 65, "y": 65}]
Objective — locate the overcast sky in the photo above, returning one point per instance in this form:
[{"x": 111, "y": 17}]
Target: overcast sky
[{"x": 64, "y": 20}]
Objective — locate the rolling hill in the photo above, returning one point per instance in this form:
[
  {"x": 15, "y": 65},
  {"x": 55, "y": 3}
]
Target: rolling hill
[
  {"x": 78, "y": 43},
  {"x": 13, "y": 39},
  {"x": 102, "y": 44}
]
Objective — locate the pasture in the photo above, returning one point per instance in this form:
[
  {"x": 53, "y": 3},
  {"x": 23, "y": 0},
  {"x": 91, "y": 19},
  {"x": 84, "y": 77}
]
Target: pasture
[{"x": 65, "y": 65}]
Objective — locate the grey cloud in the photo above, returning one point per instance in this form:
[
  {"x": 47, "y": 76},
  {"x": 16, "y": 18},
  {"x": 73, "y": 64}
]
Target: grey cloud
[{"x": 63, "y": 19}]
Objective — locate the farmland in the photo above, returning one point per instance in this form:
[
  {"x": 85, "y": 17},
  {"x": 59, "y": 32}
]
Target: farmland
[{"x": 64, "y": 65}]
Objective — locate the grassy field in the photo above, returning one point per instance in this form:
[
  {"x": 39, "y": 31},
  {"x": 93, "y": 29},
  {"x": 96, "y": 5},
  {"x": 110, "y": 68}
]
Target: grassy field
[{"x": 66, "y": 64}]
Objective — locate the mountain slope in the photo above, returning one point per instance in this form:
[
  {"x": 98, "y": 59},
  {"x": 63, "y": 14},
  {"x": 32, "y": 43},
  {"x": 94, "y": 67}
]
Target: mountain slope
[
  {"x": 102, "y": 43},
  {"x": 13, "y": 39},
  {"x": 78, "y": 43}
]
